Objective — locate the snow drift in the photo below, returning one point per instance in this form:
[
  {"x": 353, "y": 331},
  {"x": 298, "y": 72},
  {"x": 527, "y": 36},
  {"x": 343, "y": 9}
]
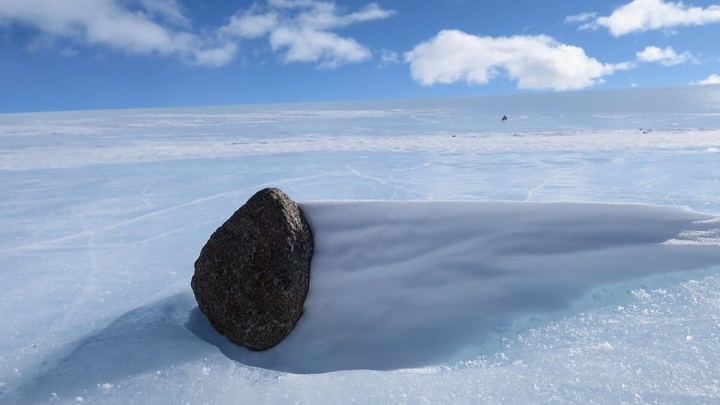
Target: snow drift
[{"x": 412, "y": 284}]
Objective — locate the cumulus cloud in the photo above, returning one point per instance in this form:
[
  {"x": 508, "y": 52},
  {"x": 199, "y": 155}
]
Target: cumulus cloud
[
  {"x": 712, "y": 79},
  {"x": 647, "y": 15},
  {"x": 300, "y": 30},
  {"x": 536, "y": 62},
  {"x": 667, "y": 56}
]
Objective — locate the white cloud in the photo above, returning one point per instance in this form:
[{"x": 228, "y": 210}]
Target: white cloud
[
  {"x": 215, "y": 57},
  {"x": 667, "y": 56},
  {"x": 647, "y": 15},
  {"x": 536, "y": 62},
  {"x": 251, "y": 25},
  {"x": 301, "y": 30},
  {"x": 712, "y": 79},
  {"x": 307, "y": 45}
]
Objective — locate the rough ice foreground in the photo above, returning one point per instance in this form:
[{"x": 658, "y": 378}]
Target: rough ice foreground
[{"x": 103, "y": 213}]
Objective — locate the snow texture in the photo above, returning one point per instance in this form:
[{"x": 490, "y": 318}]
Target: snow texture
[{"x": 570, "y": 255}]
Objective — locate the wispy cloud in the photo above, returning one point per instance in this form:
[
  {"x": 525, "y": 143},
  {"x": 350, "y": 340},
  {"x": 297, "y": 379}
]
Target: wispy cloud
[
  {"x": 389, "y": 58},
  {"x": 648, "y": 15},
  {"x": 536, "y": 62},
  {"x": 300, "y": 30},
  {"x": 169, "y": 10},
  {"x": 667, "y": 56},
  {"x": 580, "y": 18},
  {"x": 251, "y": 24}
]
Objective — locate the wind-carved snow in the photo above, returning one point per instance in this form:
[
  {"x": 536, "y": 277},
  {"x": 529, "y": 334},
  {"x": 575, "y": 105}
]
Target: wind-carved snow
[
  {"x": 511, "y": 281},
  {"x": 707, "y": 237},
  {"x": 413, "y": 284}
]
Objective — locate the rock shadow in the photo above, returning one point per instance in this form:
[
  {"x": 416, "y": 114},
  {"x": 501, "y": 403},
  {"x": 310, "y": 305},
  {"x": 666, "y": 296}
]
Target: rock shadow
[{"x": 142, "y": 340}]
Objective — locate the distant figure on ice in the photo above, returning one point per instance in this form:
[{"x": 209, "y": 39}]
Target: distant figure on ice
[{"x": 504, "y": 118}]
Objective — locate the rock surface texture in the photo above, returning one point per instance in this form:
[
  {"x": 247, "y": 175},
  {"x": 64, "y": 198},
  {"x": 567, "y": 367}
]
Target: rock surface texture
[{"x": 253, "y": 274}]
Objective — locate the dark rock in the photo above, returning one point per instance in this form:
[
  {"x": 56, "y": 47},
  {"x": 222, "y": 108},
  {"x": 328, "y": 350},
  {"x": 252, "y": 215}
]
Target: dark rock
[{"x": 253, "y": 274}]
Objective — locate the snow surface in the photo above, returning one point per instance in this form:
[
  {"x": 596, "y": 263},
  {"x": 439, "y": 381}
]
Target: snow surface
[{"x": 489, "y": 267}]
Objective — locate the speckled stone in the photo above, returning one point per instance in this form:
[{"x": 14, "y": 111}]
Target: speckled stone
[{"x": 253, "y": 274}]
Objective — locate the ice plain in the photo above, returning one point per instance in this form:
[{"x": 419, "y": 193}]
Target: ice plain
[{"x": 569, "y": 255}]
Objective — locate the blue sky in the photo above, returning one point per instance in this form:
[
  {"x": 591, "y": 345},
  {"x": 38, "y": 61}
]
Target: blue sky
[{"x": 97, "y": 54}]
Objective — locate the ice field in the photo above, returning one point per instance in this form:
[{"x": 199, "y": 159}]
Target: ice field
[{"x": 569, "y": 255}]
